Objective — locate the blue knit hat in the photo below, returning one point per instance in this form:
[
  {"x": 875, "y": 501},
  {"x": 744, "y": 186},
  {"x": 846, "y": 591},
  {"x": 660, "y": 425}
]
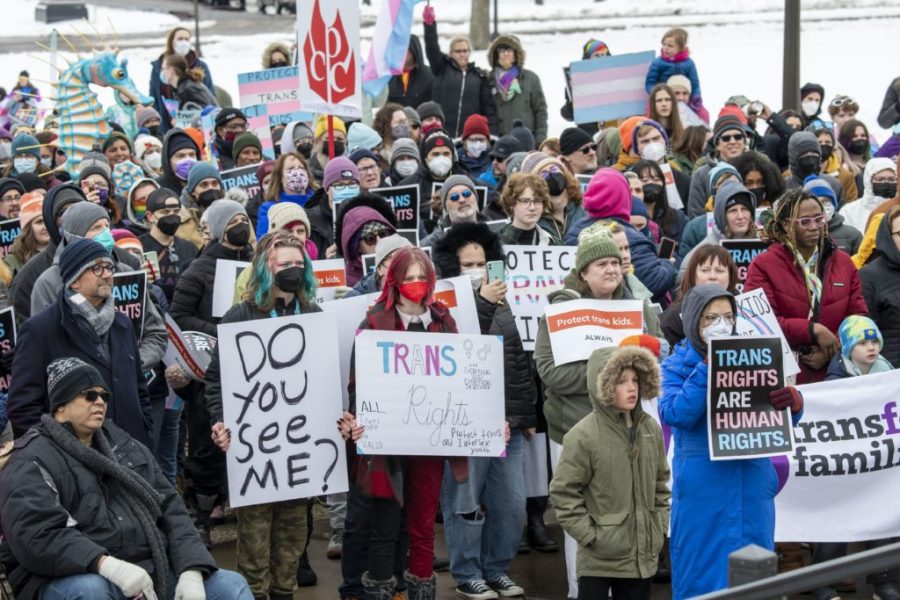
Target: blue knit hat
[
  {"x": 856, "y": 329},
  {"x": 361, "y": 135},
  {"x": 78, "y": 256},
  {"x": 199, "y": 172},
  {"x": 819, "y": 188},
  {"x": 26, "y": 144},
  {"x": 719, "y": 171},
  {"x": 638, "y": 208}
]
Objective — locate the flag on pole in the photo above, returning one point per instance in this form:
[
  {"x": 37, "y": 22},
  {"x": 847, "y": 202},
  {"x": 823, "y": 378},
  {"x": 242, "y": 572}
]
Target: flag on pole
[
  {"x": 611, "y": 87},
  {"x": 390, "y": 41}
]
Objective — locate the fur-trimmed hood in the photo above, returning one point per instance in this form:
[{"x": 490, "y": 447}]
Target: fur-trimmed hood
[
  {"x": 603, "y": 370},
  {"x": 506, "y": 40},
  {"x": 276, "y": 47},
  {"x": 443, "y": 253}
]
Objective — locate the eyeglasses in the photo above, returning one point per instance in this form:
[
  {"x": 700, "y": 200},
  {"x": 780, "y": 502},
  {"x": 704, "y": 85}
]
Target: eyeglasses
[
  {"x": 367, "y": 169},
  {"x": 588, "y": 149},
  {"x": 11, "y": 198},
  {"x": 372, "y": 238},
  {"x": 727, "y": 318},
  {"x": 103, "y": 269},
  {"x": 737, "y": 137},
  {"x": 343, "y": 187},
  {"x": 811, "y": 222},
  {"x": 456, "y": 196},
  {"x": 528, "y": 201},
  {"x": 236, "y": 128},
  {"x": 93, "y": 395}
]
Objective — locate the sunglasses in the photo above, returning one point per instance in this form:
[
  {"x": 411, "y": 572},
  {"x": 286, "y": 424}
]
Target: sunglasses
[
  {"x": 841, "y": 101},
  {"x": 92, "y": 396},
  {"x": 456, "y": 196},
  {"x": 806, "y": 222},
  {"x": 588, "y": 149},
  {"x": 103, "y": 269},
  {"x": 737, "y": 137},
  {"x": 373, "y": 238}
]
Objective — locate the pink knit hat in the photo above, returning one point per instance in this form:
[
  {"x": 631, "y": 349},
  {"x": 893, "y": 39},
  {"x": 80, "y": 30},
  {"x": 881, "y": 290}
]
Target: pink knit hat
[{"x": 608, "y": 196}]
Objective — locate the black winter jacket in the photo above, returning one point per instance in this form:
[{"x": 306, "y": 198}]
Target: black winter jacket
[
  {"x": 321, "y": 221},
  {"x": 51, "y": 532},
  {"x": 881, "y": 288},
  {"x": 193, "y": 299},
  {"x": 26, "y": 278},
  {"x": 421, "y": 80}
]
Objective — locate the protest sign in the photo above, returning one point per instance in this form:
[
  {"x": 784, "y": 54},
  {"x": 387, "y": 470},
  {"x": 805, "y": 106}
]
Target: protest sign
[
  {"x": 330, "y": 275},
  {"x": 405, "y": 201},
  {"x": 187, "y": 118},
  {"x": 277, "y": 90},
  {"x": 258, "y": 124},
  {"x": 227, "y": 272},
  {"x": 583, "y": 181},
  {"x": 672, "y": 195},
  {"x": 129, "y": 297},
  {"x": 743, "y": 252},
  {"x": 481, "y": 194},
  {"x": 533, "y": 272},
  {"x": 579, "y": 327},
  {"x": 329, "y": 57},
  {"x": 368, "y": 263},
  {"x": 742, "y": 421},
  {"x": 244, "y": 178},
  {"x": 208, "y": 122},
  {"x": 429, "y": 394},
  {"x": 7, "y": 340},
  {"x": 9, "y": 231},
  {"x": 756, "y": 318},
  {"x": 281, "y": 401},
  {"x": 611, "y": 87},
  {"x": 190, "y": 350},
  {"x": 839, "y": 483},
  {"x": 458, "y": 296}
]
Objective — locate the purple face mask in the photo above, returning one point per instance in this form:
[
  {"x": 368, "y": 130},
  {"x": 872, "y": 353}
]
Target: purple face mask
[
  {"x": 103, "y": 194},
  {"x": 183, "y": 167}
]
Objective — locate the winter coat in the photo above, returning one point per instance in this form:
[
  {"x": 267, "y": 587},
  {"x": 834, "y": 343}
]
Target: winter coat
[
  {"x": 193, "y": 94},
  {"x": 367, "y": 285},
  {"x": 513, "y": 236},
  {"x": 610, "y": 487},
  {"x": 847, "y": 237},
  {"x": 777, "y": 273},
  {"x": 856, "y": 214},
  {"x": 889, "y": 115},
  {"x": 193, "y": 299},
  {"x": 261, "y": 214},
  {"x": 59, "y": 516},
  {"x": 474, "y": 168},
  {"x": 321, "y": 221},
  {"x": 60, "y": 332},
  {"x": 419, "y": 84},
  {"x": 574, "y": 213},
  {"x": 566, "y": 398},
  {"x": 24, "y": 281},
  {"x": 699, "y": 194},
  {"x": 881, "y": 289},
  {"x": 348, "y": 228},
  {"x": 272, "y": 49},
  {"x": 160, "y": 91},
  {"x": 170, "y": 269},
  {"x": 529, "y": 105},
  {"x": 664, "y": 67},
  {"x": 693, "y": 234},
  {"x": 460, "y": 93}
]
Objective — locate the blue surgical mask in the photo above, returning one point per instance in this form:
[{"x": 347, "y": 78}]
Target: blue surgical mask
[
  {"x": 351, "y": 191},
  {"x": 25, "y": 164},
  {"x": 105, "y": 239}
]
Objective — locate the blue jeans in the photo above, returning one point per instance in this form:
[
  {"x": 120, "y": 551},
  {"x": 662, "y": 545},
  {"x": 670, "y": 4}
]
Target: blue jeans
[
  {"x": 484, "y": 517},
  {"x": 221, "y": 585},
  {"x": 165, "y": 437}
]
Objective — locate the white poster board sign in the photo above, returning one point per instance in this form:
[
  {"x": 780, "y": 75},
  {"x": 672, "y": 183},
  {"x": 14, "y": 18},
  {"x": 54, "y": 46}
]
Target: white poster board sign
[
  {"x": 330, "y": 275},
  {"x": 579, "y": 327},
  {"x": 227, "y": 272},
  {"x": 281, "y": 402},
  {"x": 756, "y": 317},
  {"x": 430, "y": 394}
]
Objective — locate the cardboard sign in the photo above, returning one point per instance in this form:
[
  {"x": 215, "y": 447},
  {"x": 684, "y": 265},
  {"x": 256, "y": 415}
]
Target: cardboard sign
[
  {"x": 429, "y": 394},
  {"x": 579, "y": 327},
  {"x": 7, "y": 340},
  {"x": 281, "y": 400},
  {"x": 742, "y": 421},
  {"x": 330, "y": 275},
  {"x": 129, "y": 297},
  {"x": 190, "y": 350},
  {"x": 610, "y": 88},
  {"x": 756, "y": 318},
  {"x": 227, "y": 272},
  {"x": 481, "y": 194},
  {"x": 533, "y": 272},
  {"x": 9, "y": 231},
  {"x": 244, "y": 178},
  {"x": 743, "y": 252}
]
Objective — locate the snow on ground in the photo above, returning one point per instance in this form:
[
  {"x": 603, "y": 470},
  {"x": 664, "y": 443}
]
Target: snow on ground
[
  {"x": 735, "y": 54},
  {"x": 18, "y": 20}
]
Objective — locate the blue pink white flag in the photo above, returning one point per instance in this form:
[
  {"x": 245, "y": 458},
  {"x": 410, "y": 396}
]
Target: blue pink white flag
[
  {"x": 390, "y": 41},
  {"x": 609, "y": 88}
]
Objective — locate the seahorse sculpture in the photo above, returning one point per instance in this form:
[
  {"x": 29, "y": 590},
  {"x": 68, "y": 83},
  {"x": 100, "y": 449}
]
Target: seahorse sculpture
[
  {"x": 82, "y": 122},
  {"x": 123, "y": 114}
]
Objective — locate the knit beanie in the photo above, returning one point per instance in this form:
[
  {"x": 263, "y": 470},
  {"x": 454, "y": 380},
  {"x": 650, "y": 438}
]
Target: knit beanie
[
  {"x": 595, "y": 242},
  {"x": 411, "y": 115},
  {"x": 361, "y": 153},
  {"x": 243, "y": 140},
  {"x": 126, "y": 240},
  {"x": 735, "y": 111},
  {"x": 81, "y": 216},
  {"x": 227, "y": 114},
  {"x": 638, "y": 208},
  {"x": 320, "y": 127},
  {"x": 856, "y": 329},
  {"x": 26, "y": 144},
  {"x": 10, "y": 183},
  {"x": 476, "y": 124},
  {"x": 437, "y": 138},
  {"x": 77, "y": 257},
  {"x": 30, "y": 208},
  {"x": 219, "y": 215},
  {"x": 430, "y": 109},
  {"x": 67, "y": 378},
  {"x": 813, "y": 184},
  {"x": 95, "y": 169},
  {"x": 608, "y": 196},
  {"x": 386, "y": 245},
  {"x": 282, "y": 214},
  {"x": 532, "y": 159},
  {"x": 733, "y": 194},
  {"x": 339, "y": 168},
  {"x": 651, "y": 123},
  {"x": 179, "y": 140},
  {"x": 144, "y": 114},
  {"x": 452, "y": 182},
  {"x": 56, "y": 202},
  {"x": 144, "y": 143},
  {"x": 114, "y": 136},
  {"x": 800, "y": 143},
  {"x": 573, "y": 138},
  {"x": 725, "y": 123},
  {"x": 514, "y": 163},
  {"x": 404, "y": 147},
  {"x": 200, "y": 171},
  {"x": 361, "y": 135},
  {"x": 679, "y": 82},
  {"x": 31, "y": 182},
  {"x": 264, "y": 169},
  {"x": 809, "y": 88},
  {"x": 626, "y": 131},
  {"x": 523, "y": 134},
  {"x": 720, "y": 170}
]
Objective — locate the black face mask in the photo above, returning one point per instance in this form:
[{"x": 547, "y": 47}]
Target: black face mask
[
  {"x": 154, "y": 131},
  {"x": 858, "y": 147},
  {"x": 556, "y": 184},
  {"x": 653, "y": 192},
  {"x": 338, "y": 148},
  {"x": 289, "y": 280},
  {"x": 760, "y": 194},
  {"x": 208, "y": 197},
  {"x": 238, "y": 235},
  {"x": 168, "y": 224},
  {"x": 826, "y": 151},
  {"x": 278, "y": 64},
  {"x": 806, "y": 166},
  {"x": 305, "y": 150},
  {"x": 884, "y": 190}
]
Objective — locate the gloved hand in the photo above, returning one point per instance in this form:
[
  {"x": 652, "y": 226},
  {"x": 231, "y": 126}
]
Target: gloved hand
[
  {"x": 785, "y": 397},
  {"x": 190, "y": 586},
  {"x": 6, "y": 361},
  {"x": 643, "y": 340},
  {"x": 341, "y": 291},
  {"x": 128, "y": 577},
  {"x": 428, "y": 15}
]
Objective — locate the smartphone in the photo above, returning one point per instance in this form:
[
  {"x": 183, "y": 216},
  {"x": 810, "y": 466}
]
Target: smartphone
[
  {"x": 667, "y": 247},
  {"x": 496, "y": 271},
  {"x": 153, "y": 258}
]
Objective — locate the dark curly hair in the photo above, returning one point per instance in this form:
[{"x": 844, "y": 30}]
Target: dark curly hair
[
  {"x": 756, "y": 161},
  {"x": 444, "y": 252}
]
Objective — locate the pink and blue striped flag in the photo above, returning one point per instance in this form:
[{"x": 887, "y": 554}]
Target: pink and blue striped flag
[
  {"x": 387, "y": 54},
  {"x": 611, "y": 87}
]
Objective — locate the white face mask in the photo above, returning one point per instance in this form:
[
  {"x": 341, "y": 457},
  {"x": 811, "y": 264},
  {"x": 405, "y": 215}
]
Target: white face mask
[
  {"x": 828, "y": 205},
  {"x": 475, "y": 148},
  {"x": 154, "y": 161},
  {"x": 717, "y": 330},
  {"x": 810, "y": 107},
  {"x": 406, "y": 167},
  {"x": 181, "y": 47},
  {"x": 440, "y": 165},
  {"x": 476, "y": 276},
  {"x": 654, "y": 151}
]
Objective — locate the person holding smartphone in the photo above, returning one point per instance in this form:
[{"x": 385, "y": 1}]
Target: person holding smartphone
[{"x": 526, "y": 199}]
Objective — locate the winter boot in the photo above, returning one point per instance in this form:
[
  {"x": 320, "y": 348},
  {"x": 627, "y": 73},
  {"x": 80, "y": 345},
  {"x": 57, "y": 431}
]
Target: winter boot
[
  {"x": 306, "y": 577},
  {"x": 420, "y": 589},
  {"x": 886, "y": 591},
  {"x": 376, "y": 589},
  {"x": 537, "y": 535},
  {"x": 202, "y": 507}
]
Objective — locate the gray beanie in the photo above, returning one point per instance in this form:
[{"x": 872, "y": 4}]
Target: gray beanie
[
  {"x": 452, "y": 182},
  {"x": 388, "y": 244},
  {"x": 219, "y": 214},
  {"x": 79, "y": 217},
  {"x": 412, "y": 115},
  {"x": 404, "y": 147}
]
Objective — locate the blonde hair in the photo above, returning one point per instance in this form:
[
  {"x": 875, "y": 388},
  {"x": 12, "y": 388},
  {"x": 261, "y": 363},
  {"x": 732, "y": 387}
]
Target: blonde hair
[{"x": 678, "y": 34}]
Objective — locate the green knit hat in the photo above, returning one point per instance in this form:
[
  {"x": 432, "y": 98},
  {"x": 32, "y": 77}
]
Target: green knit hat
[
  {"x": 244, "y": 140},
  {"x": 595, "y": 242}
]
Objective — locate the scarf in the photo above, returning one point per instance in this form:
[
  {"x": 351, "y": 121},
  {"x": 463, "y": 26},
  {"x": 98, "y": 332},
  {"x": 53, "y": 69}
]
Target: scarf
[
  {"x": 507, "y": 83},
  {"x": 100, "y": 319},
  {"x": 143, "y": 499},
  {"x": 680, "y": 57},
  {"x": 813, "y": 283}
]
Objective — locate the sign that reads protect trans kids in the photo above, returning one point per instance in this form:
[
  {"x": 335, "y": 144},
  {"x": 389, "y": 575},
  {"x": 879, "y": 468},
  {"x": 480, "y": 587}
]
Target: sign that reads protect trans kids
[
  {"x": 742, "y": 421},
  {"x": 330, "y": 276},
  {"x": 579, "y": 327}
]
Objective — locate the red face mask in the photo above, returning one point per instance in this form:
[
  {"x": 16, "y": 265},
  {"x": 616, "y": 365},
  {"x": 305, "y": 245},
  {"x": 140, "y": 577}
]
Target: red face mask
[{"x": 414, "y": 291}]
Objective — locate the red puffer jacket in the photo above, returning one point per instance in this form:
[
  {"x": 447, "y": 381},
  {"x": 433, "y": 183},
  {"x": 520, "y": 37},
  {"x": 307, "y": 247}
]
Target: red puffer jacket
[{"x": 783, "y": 283}]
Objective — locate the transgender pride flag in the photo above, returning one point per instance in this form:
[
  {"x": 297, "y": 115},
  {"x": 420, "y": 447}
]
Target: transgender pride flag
[
  {"x": 389, "y": 44},
  {"x": 611, "y": 87}
]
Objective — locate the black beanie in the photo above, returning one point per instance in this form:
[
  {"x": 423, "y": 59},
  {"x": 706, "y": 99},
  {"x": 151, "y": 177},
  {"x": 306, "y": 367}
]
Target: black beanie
[
  {"x": 435, "y": 138},
  {"x": 69, "y": 377},
  {"x": 572, "y": 139}
]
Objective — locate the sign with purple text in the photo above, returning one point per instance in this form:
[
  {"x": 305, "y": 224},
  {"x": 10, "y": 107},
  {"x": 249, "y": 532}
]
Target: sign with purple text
[
  {"x": 429, "y": 394},
  {"x": 742, "y": 422}
]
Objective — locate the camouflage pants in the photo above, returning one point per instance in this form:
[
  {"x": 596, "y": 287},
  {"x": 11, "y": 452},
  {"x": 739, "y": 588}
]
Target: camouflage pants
[{"x": 270, "y": 540}]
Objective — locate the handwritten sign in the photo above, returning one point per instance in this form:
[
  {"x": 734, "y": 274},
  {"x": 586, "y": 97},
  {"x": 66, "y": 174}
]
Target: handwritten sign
[
  {"x": 405, "y": 201},
  {"x": 227, "y": 272},
  {"x": 281, "y": 401},
  {"x": 742, "y": 421},
  {"x": 533, "y": 272},
  {"x": 431, "y": 394},
  {"x": 9, "y": 231},
  {"x": 330, "y": 275},
  {"x": 7, "y": 340},
  {"x": 188, "y": 118},
  {"x": 129, "y": 297},
  {"x": 756, "y": 318},
  {"x": 244, "y": 178},
  {"x": 579, "y": 327}
]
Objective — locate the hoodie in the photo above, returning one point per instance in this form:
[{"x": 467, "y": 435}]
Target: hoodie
[
  {"x": 856, "y": 214},
  {"x": 168, "y": 179},
  {"x": 419, "y": 79},
  {"x": 692, "y": 309}
]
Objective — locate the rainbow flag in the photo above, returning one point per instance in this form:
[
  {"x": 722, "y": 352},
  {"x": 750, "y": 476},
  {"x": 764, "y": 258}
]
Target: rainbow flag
[
  {"x": 389, "y": 44},
  {"x": 611, "y": 87}
]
